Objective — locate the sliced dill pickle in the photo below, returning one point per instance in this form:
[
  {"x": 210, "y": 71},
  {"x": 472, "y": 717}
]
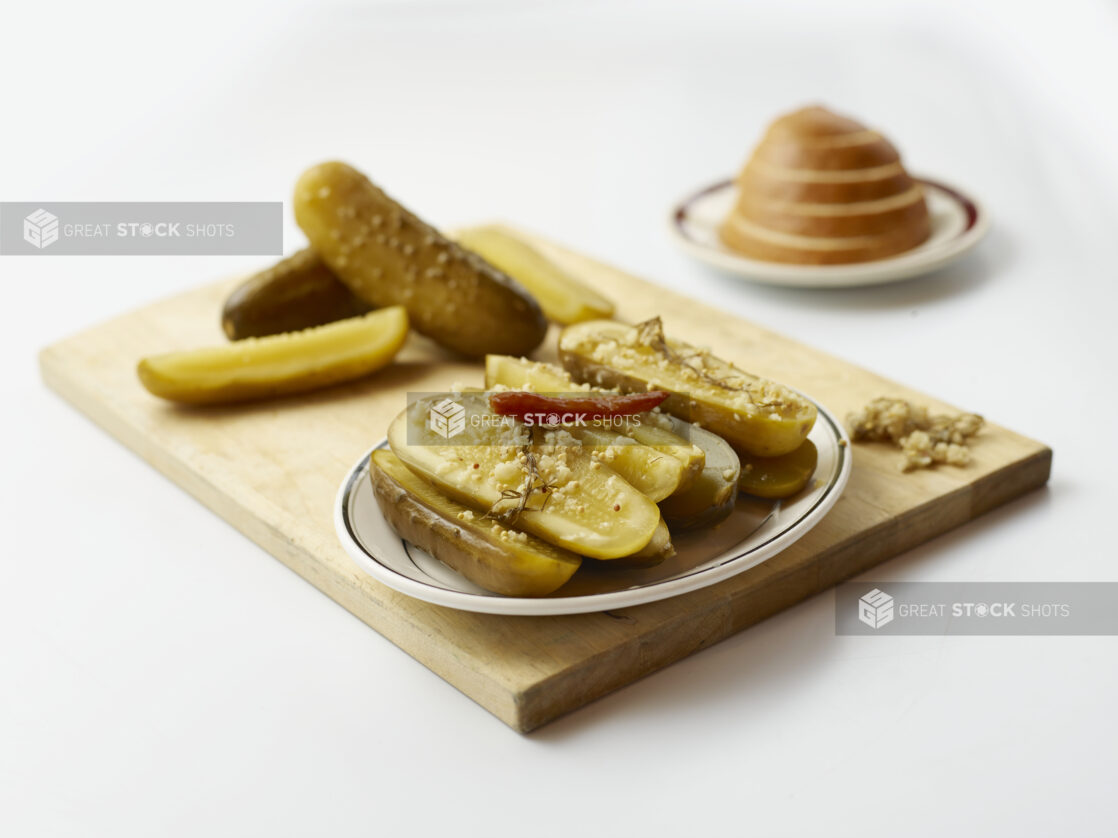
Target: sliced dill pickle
[
  {"x": 486, "y": 552},
  {"x": 690, "y": 456},
  {"x": 754, "y": 415},
  {"x": 257, "y": 368},
  {"x": 562, "y": 297},
  {"x": 388, "y": 256},
  {"x": 534, "y": 480},
  {"x": 539, "y": 377},
  {"x": 779, "y": 477},
  {"x": 297, "y": 293},
  {"x": 650, "y": 472},
  {"x": 658, "y": 549},
  {"x": 522, "y": 374},
  {"x": 711, "y": 496}
]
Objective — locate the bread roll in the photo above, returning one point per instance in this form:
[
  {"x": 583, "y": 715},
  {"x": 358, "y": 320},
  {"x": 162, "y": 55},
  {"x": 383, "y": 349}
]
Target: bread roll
[{"x": 822, "y": 189}]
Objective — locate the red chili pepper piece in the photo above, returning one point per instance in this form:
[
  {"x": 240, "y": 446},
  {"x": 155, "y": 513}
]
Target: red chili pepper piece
[{"x": 520, "y": 403}]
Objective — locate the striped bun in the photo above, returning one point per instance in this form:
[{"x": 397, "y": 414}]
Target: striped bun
[{"x": 822, "y": 189}]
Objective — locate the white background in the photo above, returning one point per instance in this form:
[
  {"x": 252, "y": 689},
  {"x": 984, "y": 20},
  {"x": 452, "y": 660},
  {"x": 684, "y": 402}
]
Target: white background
[{"x": 161, "y": 675}]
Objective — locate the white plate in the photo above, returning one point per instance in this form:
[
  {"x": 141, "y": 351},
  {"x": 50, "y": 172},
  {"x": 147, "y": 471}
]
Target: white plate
[
  {"x": 757, "y": 530},
  {"x": 958, "y": 224}
]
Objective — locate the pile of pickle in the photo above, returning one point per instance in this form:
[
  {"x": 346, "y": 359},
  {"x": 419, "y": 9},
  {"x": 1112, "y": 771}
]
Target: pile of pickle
[
  {"x": 341, "y": 308},
  {"x": 516, "y": 519},
  {"x": 519, "y": 518}
]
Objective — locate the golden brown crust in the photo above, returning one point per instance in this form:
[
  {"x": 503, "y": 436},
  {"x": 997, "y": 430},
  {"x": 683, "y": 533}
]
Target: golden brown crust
[
  {"x": 794, "y": 185},
  {"x": 862, "y": 218},
  {"x": 823, "y": 189},
  {"x": 814, "y": 121},
  {"x": 857, "y": 249},
  {"x": 791, "y": 154}
]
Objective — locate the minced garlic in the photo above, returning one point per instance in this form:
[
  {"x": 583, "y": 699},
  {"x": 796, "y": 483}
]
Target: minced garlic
[{"x": 924, "y": 439}]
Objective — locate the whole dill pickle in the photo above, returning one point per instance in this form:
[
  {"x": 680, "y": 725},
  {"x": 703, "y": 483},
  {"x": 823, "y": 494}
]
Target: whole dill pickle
[
  {"x": 294, "y": 294},
  {"x": 388, "y": 256}
]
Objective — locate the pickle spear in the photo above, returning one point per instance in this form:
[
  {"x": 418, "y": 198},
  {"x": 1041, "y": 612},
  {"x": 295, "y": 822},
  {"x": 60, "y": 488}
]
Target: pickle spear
[
  {"x": 779, "y": 477},
  {"x": 539, "y": 481},
  {"x": 388, "y": 256},
  {"x": 295, "y": 294},
  {"x": 754, "y": 415},
  {"x": 520, "y": 373},
  {"x": 563, "y": 298},
  {"x": 489, "y": 554},
  {"x": 257, "y": 368}
]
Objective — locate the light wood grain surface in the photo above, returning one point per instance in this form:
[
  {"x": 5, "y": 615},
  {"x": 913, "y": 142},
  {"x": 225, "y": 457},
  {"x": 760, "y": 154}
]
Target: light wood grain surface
[{"x": 272, "y": 470}]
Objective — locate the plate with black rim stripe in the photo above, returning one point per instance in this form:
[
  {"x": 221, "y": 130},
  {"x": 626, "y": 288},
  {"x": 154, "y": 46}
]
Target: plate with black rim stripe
[{"x": 756, "y": 530}]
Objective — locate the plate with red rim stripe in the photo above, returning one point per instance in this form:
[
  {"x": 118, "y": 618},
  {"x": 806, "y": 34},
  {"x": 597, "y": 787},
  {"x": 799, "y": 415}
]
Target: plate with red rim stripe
[{"x": 958, "y": 224}]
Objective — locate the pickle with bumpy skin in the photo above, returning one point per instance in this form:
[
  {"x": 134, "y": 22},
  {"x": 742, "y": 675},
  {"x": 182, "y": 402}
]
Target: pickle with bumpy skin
[
  {"x": 278, "y": 365},
  {"x": 489, "y": 554},
  {"x": 562, "y": 297},
  {"x": 295, "y": 294},
  {"x": 711, "y": 496},
  {"x": 779, "y": 477},
  {"x": 388, "y": 256},
  {"x": 539, "y": 481},
  {"x": 754, "y": 415}
]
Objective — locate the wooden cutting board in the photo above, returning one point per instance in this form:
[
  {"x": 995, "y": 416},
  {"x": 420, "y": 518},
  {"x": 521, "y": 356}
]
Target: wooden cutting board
[{"x": 272, "y": 471}]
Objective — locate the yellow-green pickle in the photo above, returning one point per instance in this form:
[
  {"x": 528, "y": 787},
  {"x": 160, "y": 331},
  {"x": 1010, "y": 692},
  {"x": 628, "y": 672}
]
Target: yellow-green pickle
[
  {"x": 278, "y": 365},
  {"x": 754, "y": 415},
  {"x": 483, "y": 550},
  {"x": 562, "y": 297},
  {"x": 554, "y": 490},
  {"x": 710, "y": 497},
  {"x": 779, "y": 477}
]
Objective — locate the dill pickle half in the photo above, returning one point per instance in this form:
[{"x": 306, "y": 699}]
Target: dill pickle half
[
  {"x": 563, "y": 298},
  {"x": 278, "y": 365},
  {"x": 756, "y": 416},
  {"x": 711, "y": 496},
  {"x": 498, "y": 558},
  {"x": 779, "y": 477},
  {"x": 520, "y": 373},
  {"x": 388, "y": 256},
  {"x": 294, "y": 294},
  {"x": 655, "y": 552},
  {"x": 552, "y": 490}
]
